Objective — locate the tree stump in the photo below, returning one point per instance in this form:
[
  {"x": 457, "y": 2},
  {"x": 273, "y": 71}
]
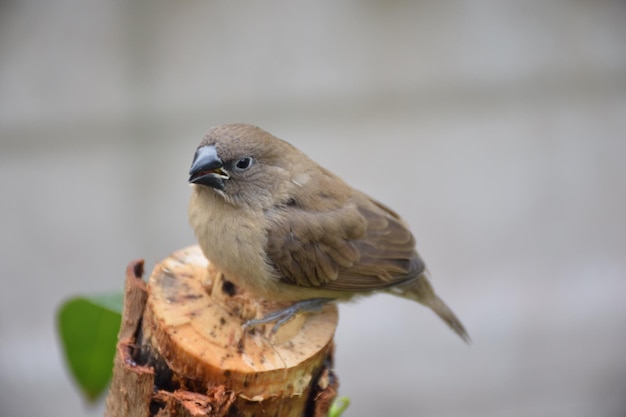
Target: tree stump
[{"x": 182, "y": 349}]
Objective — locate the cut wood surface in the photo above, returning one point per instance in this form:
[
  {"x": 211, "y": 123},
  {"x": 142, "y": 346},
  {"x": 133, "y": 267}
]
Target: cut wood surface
[{"x": 201, "y": 361}]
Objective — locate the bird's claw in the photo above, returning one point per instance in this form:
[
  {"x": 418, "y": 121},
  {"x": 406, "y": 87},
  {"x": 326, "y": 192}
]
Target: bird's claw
[{"x": 282, "y": 316}]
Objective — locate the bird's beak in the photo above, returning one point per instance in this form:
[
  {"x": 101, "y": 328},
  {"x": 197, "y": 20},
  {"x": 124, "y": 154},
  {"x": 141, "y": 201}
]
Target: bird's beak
[{"x": 207, "y": 168}]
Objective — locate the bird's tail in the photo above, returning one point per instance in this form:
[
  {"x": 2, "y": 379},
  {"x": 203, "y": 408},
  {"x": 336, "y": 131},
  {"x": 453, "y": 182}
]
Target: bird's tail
[{"x": 422, "y": 291}]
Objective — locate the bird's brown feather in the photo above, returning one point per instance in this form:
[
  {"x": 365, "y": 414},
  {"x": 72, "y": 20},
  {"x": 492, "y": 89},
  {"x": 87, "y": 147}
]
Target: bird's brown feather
[{"x": 359, "y": 246}]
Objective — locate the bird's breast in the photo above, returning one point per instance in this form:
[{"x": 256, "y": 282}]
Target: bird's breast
[{"x": 233, "y": 239}]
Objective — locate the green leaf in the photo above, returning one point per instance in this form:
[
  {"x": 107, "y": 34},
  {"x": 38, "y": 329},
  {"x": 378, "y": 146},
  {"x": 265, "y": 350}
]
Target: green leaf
[
  {"x": 88, "y": 328},
  {"x": 339, "y": 406}
]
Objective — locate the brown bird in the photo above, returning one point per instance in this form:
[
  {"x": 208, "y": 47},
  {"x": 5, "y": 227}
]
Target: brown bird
[{"x": 281, "y": 226}]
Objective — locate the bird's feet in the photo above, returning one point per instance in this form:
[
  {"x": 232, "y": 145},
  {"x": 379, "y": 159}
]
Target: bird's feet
[{"x": 284, "y": 315}]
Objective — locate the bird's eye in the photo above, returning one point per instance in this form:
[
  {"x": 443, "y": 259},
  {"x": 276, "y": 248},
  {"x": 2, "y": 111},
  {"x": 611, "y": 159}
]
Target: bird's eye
[{"x": 244, "y": 163}]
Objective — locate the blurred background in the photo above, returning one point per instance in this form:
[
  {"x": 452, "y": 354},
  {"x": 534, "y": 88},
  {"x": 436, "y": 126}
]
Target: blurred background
[{"x": 496, "y": 128}]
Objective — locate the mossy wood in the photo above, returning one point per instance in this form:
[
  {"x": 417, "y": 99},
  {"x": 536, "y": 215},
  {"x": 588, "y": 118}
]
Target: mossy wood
[{"x": 182, "y": 349}]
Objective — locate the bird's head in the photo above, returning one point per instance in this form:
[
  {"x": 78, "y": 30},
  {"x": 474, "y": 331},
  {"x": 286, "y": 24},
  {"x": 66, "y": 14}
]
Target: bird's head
[{"x": 243, "y": 164}]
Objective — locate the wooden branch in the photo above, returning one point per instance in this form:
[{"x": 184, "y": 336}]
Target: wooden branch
[{"x": 182, "y": 349}]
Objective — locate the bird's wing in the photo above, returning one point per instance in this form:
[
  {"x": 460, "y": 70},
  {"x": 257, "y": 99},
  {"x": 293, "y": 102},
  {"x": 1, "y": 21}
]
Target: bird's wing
[{"x": 360, "y": 246}]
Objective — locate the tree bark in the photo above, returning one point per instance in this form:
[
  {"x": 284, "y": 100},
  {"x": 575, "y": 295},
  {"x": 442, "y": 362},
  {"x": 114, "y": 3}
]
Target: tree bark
[{"x": 182, "y": 349}]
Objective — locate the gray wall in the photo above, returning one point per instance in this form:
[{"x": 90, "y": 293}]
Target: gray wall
[{"x": 496, "y": 128}]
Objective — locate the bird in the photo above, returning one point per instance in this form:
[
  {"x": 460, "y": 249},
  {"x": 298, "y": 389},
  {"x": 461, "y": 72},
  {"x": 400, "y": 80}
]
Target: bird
[{"x": 281, "y": 226}]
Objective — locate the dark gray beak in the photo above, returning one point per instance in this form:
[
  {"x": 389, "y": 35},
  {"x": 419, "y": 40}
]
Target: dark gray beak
[{"x": 207, "y": 168}]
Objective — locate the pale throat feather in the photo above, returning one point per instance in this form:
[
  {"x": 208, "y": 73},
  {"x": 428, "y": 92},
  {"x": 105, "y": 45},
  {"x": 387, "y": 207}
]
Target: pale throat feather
[{"x": 228, "y": 235}]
